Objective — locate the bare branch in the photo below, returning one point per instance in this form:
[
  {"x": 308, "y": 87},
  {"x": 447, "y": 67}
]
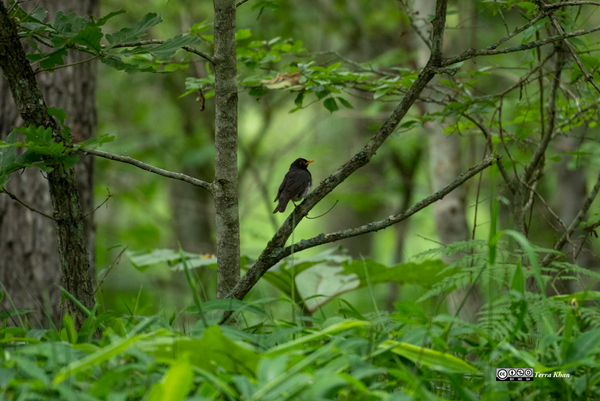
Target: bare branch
[
  {"x": 13, "y": 197},
  {"x": 541, "y": 149},
  {"x": 239, "y": 3},
  {"x": 571, "y": 3},
  {"x": 586, "y": 74},
  {"x": 152, "y": 169},
  {"x": 574, "y": 224},
  {"x": 99, "y": 206},
  {"x": 380, "y": 225},
  {"x": 517, "y": 31},
  {"x": 472, "y": 53},
  {"x": 410, "y": 15}
]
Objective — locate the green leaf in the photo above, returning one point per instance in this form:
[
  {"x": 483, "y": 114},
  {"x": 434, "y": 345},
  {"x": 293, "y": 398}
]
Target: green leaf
[
  {"x": 321, "y": 94},
  {"x": 37, "y": 135},
  {"x": 69, "y": 161},
  {"x": 258, "y": 91},
  {"x": 94, "y": 142},
  {"x": 434, "y": 360},
  {"x": 586, "y": 344},
  {"x": 108, "y": 16},
  {"x": 218, "y": 351},
  {"x": 167, "y": 49},
  {"x": 118, "y": 64},
  {"x": 39, "y": 14},
  {"x": 330, "y": 104},
  {"x": 90, "y": 37},
  {"x": 345, "y": 103},
  {"x": 333, "y": 67},
  {"x": 242, "y": 34},
  {"x": 199, "y": 28},
  {"x": 176, "y": 384},
  {"x": 299, "y": 99},
  {"x": 58, "y": 113},
  {"x": 98, "y": 357},
  {"x": 134, "y": 33},
  {"x": 578, "y": 296},
  {"x": 54, "y": 58}
]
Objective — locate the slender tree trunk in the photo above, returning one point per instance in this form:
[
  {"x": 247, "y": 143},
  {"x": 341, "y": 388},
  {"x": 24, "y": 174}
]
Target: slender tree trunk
[
  {"x": 73, "y": 253},
  {"x": 226, "y": 174}
]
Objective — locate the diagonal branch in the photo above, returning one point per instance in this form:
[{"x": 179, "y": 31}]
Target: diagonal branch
[
  {"x": 541, "y": 149},
  {"x": 13, "y": 197},
  {"x": 472, "y": 53},
  {"x": 144, "y": 166},
  {"x": 586, "y": 73},
  {"x": 269, "y": 255},
  {"x": 391, "y": 220},
  {"x": 574, "y": 224}
]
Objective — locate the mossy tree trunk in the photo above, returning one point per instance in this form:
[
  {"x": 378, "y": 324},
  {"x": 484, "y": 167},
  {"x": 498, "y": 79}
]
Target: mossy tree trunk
[{"x": 73, "y": 253}]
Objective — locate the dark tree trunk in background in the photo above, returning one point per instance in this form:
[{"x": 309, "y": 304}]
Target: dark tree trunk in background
[
  {"x": 571, "y": 193},
  {"x": 29, "y": 259}
]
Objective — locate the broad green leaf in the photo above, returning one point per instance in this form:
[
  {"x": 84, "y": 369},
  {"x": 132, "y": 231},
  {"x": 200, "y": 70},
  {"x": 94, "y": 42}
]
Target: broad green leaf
[
  {"x": 167, "y": 49},
  {"x": 345, "y": 103},
  {"x": 37, "y": 135},
  {"x": 585, "y": 345},
  {"x": 330, "y": 104},
  {"x": 54, "y": 58},
  {"x": 94, "y": 142},
  {"x": 242, "y": 34},
  {"x": 110, "y": 15},
  {"x": 434, "y": 360},
  {"x": 90, "y": 37},
  {"x": 578, "y": 296},
  {"x": 217, "y": 351},
  {"x": 95, "y": 359},
  {"x": 58, "y": 113},
  {"x": 300, "y": 342},
  {"x": 134, "y": 33},
  {"x": 424, "y": 274},
  {"x": 176, "y": 384}
]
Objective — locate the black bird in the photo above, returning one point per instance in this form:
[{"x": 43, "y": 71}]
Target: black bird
[{"x": 295, "y": 186}]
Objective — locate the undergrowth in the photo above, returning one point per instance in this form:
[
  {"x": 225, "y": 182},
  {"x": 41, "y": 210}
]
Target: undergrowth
[{"x": 405, "y": 355}]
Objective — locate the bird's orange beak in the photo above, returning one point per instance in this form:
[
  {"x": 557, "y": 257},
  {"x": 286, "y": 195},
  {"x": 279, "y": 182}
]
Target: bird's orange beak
[{"x": 308, "y": 162}]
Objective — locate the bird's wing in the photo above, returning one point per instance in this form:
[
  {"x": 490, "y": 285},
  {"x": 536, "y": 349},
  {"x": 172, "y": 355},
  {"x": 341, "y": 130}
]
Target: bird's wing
[{"x": 295, "y": 187}]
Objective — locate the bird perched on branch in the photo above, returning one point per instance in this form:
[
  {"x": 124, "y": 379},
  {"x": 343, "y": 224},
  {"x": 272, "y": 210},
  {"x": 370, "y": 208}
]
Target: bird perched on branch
[{"x": 295, "y": 186}]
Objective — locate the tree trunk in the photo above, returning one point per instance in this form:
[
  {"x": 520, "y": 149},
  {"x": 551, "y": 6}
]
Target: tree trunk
[
  {"x": 226, "y": 174},
  {"x": 27, "y": 241}
]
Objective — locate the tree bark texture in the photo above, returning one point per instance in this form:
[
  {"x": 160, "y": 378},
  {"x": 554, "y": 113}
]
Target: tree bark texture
[
  {"x": 226, "y": 173},
  {"x": 30, "y": 266}
]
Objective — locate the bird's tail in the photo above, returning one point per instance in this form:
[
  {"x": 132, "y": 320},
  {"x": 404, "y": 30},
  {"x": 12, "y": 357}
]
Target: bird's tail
[{"x": 280, "y": 207}]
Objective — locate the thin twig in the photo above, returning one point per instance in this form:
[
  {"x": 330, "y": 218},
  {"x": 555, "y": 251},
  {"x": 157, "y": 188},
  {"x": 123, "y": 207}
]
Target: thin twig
[
  {"x": 574, "y": 224},
  {"x": 571, "y": 3},
  {"x": 100, "y": 205},
  {"x": 239, "y": 3},
  {"x": 144, "y": 166},
  {"x": 115, "y": 262},
  {"x": 472, "y": 53},
  {"x": 586, "y": 74},
  {"x": 13, "y": 197},
  {"x": 66, "y": 65},
  {"x": 321, "y": 215},
  {"x": 410, "y": 14}
]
